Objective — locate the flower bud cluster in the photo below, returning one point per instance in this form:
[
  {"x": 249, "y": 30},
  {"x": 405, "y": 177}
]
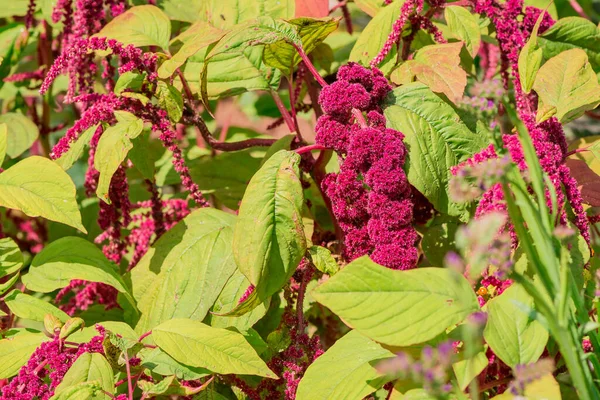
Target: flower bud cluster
[{"x": 370, "y": 196}]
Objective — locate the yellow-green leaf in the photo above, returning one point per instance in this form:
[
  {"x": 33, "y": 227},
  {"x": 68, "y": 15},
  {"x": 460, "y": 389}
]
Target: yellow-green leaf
[
  {"x": 530, "y": 58},
  {"x": 349, "y": 368},
  {"x": 29, "y": 307},
  {"x": 21, "y": 131},
  {"x": 220, "y": 350},
  {"x": 511, "y": 333},
  {"x": 87, "y": 368},
  {"x": 113, "y": 146},
  {"x": 372, "y": 38},
  {"x": 567, "y": 87},
  {"x": 68, "y": 158},
  {"x": 398, "y": 308},
  {"x": 183, "y": 273},
  {"x": 3, "y": 142},
  {"x": 312, "y": 32},
  {"x": 16, "y": 349},
  {"x": 144, "y": 25},
  {"x": 437, "y": 66},
  {"x": 464, "y": 26},
  {"x": 268, "y": 240},
  {"x": 198, "y": 36},
  {"x": 40, "y": 188}
]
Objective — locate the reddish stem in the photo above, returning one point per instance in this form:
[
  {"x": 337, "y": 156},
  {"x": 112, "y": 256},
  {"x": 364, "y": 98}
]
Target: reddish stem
[
  {"x": 311, "y": 147},
  {"x": 310, "y": 66},
  {"x": 360, "y": 118},
  {"x": 223, "y": 146},
  {"x": 129, "y": 383},
  {"x": 284, "y": 112},
  {"x": 144, "y": 336},
  {"x": 577, "y": 7}
]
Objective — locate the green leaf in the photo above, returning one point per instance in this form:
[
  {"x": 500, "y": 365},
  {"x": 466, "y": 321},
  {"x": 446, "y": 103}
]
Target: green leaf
[
  {"x": 226, "y": 175},
  {"x": 71, "y": 326},
  {"x": 323, "y": 260},
  {"x": 170, "y": 99},
  {"x": 398, "y": 308},
  {"x": 219, "y": 350},
  {"x": 437, "y": 66},
  {"x": 3, "y": 142},
  {"x": 370, "y": 7},
  {"x": 5, "y": 286},
  {"x": 584, "y": 166},
  {"x": 375, "y": 34},
  {"x": 436, "y": 138},
  {"x": 16, "y": 350},
  {"x": 239, "y": 46},
  {"x": 438, "y": 240},
  {"x": 87, "y": 368},
  {"x": 312, "y": 32},
  {"x": 40, "y": 188},
  {"x": 225, "y": 14},
  {"x": 183, "y": 273},
  {"x": 268, "y": 241},
  {"x": 511, "y": 333},
  {"x": 567, "y": 87},
  {"x": 130, "y": 80},
  {"x": 68, "y": 158},
  {"x": 144, "y": 25},
  {"x": 71, "y": 258},
  {"x": 11, "y": 258},
  {"x": 198, "y": 36},
  {"x": 161, "y": 363},
  {"x": 117, "y": 327},
  {"x": 81, "y": 391},
  {"x": 530, "y": 58},
  {"x": 29, "y": 307},
  {"x": 187, "y": 11},
  {"x": 464, "y": 26},
  {"x": 113, "y": 146},
  {"x": 229, "y": 298},
  {"x": 572, "y": 32},
  {"x": 231, "y": 73},
  {"x": 466, "y": 370},
  {"x": 345, "y": 371},
  {"x": 22, "y": 132},
  {"x": 283, "y": 143}
]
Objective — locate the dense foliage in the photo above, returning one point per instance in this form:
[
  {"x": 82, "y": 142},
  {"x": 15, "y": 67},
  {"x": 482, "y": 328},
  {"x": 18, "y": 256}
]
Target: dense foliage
[{"x": 310, "y": 199}]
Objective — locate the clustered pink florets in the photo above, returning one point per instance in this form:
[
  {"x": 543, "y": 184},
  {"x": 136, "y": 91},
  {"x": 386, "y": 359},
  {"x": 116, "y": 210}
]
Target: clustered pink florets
[
  {"x": 47, "y": 366},
  {"x": 370, "y": 196},
  {"x": 548, "y": 137}
]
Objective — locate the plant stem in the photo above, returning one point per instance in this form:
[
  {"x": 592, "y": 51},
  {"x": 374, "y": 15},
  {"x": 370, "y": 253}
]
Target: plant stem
[
  {"x": 224, "y": 146},
  {"x": 578, "y": 9},
  {"x": 360, "y": 118},
  {"x": 128, "y": 369},
  {"x": 310, "y": 66},
  {"x": 144, "y": 336},
  {"x": 312, "y": 147},
  {"x": 284, "y": 112}
]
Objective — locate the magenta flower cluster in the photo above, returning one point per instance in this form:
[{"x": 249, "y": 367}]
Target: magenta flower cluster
[
  {"x": 548, "y": 137},
  {"x": 370, "y": 196},
  {"x": 47, "y": 367}
]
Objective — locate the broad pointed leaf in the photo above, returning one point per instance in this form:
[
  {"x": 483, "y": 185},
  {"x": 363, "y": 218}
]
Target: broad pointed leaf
[
  {"x": 219, "y": 350},
  {"x": 22, "y": 132},
  {"x": 87, "y": 368},
  {"x": 40, "y": 188},
  {"x": 464, "y": 26},
  {"x": 144, "y": 25},
  {"x": 269, "y": 239},
  {"x": 16, "y": 349},
  {"x": 567, "y": 87},
  {"x": 345, "y": 371},
  {"x": 436, "y": 138},
  {"x": 511, "y": 333},
  {"x": 398, "y": 308},
  {"x": 184, "y": 272}
]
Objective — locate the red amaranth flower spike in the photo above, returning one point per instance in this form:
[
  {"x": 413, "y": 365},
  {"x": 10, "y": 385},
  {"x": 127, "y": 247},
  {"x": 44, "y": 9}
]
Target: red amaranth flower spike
[{"x": 370, "y": 196}]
